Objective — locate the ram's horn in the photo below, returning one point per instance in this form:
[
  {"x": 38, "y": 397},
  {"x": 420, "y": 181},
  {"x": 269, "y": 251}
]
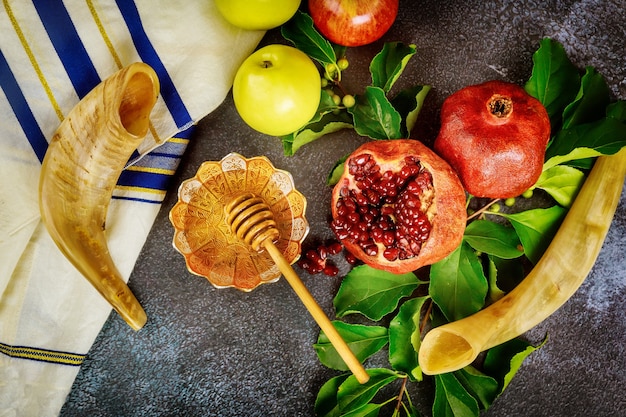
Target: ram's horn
[
  {"x": 555, "y": 278},
  {"x": 79, "y": 172}
]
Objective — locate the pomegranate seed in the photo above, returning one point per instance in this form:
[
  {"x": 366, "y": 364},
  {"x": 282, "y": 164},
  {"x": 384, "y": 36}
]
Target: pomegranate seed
[
  {"x": 371, "y": 250},
  {"x": 361, "y": 159},
  {"x": 368, "y": 218},
  {"x": 424, "y": 180},
  {"x": 391, "y": 254},
  {"x": 412, "y": 201},
  {"x": 350, "y": 204},
  {"x": 388, "y": 175},
  {"x": 335, "y": 248},
  {"x": 372, "y": 196},
  {"x": 364, "y": 236},
  {"x": 388, "y": 238},
  {"x": 377, "y": 234},
  {"x": 413, "y": 187},
  {"x": 409, "y": 170},
  {"x": 353, "y": 217},
  {"x": 351, "y": 259},
  {"x": 371, "y": 165},
  {"x": 415, "y": 246},
  {"x": 330, "y": 270},
  {"x": 361, "y": 199},
  {"x": 313, "y": 255},
  {"x": 341, "y": 234}
]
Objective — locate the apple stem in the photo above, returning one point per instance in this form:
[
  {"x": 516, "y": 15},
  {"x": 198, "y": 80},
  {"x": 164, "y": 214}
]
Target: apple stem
[{"x": 267, "y": 64}]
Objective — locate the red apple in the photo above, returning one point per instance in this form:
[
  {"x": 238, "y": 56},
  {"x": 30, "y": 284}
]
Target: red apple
[{"x": 353, "y": 22}]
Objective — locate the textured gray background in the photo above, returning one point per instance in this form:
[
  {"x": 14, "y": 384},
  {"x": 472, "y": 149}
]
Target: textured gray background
[{"x": 222, "y": 352}]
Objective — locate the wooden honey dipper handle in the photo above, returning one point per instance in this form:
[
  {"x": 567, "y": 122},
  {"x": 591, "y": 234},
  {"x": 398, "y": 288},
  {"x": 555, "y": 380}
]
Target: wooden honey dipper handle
[
  {"x": 251, "y": 220},
  {"x": 318, "y": 314}
]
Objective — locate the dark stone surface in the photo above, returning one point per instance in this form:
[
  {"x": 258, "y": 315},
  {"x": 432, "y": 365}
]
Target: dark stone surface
[{"x": 223, "y": 352}]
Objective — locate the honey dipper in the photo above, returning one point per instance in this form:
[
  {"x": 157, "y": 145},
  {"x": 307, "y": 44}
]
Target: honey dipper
[{"x": 251, "y": 220}]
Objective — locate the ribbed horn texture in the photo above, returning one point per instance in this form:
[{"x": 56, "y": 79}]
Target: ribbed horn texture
[{"x": 80, "y": 170}]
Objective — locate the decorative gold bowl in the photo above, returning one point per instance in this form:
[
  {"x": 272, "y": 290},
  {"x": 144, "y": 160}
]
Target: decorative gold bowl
[{"x": 203, "y": 236}]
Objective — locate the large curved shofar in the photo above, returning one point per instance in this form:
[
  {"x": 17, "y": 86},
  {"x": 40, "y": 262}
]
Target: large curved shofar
[
  {"x": 80, "y": 170},
  {"x": 555, "y": 278}
]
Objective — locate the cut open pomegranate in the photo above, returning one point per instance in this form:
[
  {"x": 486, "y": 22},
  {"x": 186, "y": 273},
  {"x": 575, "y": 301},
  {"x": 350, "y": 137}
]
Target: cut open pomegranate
[{"x": 398, "y": 206}]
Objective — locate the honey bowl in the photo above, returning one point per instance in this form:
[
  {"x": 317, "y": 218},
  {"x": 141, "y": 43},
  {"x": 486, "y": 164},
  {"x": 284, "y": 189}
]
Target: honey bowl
[{"x": 201, "y": 232}]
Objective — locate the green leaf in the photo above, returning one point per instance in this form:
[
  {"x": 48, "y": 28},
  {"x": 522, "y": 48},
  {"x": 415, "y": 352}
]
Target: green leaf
[
  {"x": 452, "y": 399},
  {"x": 458, "y": 284},
  {"x": 327, "y": 105},
  {"x": 408, "y": 103},
  {"x": 368, "y": 410},
  {"x": 363, "y": 341},
  {"x": 536, "y": 228},
  {"x": 387, "y": 66},
  {"x": 404, "y": 338},
  {"x": 554, "y": 80},
  {"x": 562, "y": 182},
  {"x": 352, "y": 394},
  {"x": 584, "y": 164},
  {"x": 300, "y": 31},
  {"x": 493, "y": 239},
  {"x": 372, "y": 292},
  {"x": 495, "y": 292},
  {"x": 340, "y": 50},
  {"x": 329, "y": 118},
  {"x": 329, "y": 123},
  {"x": 504, "y": 274},
  {"x": 337, "y": 170},
  {"x": 574, "y": 155},
  {"x": 411, "y": 410},
  {"x": 617, "y": 111},
  {"x": 326, "y": 402},
  {"x": 503, "y": 361},
  {"x": 374, "y": 116},
  {"x": 603, "y": 137},
  {"x": 482, "y": 387},
  {"x": 591, "y": 101}
]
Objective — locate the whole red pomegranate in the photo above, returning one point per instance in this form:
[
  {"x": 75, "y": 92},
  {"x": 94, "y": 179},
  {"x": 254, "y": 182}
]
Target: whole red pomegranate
[
  {"x": 494, "y": 135},
  {"x": 398, "y": 206}
]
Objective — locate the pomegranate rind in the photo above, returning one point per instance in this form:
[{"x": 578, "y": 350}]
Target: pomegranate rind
[
  {"x": 448, "y": 207},
  {"x": 495, "y": 157}
]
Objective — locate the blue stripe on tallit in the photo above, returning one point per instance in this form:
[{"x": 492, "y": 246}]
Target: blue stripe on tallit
[
  {"x": 150, "y": 180},
  {"x": 68, "y": 45},
  {"x": 164, "y": 150},
  {"x": 22, "y": 110},
  {"x": 148, "y": 54}
]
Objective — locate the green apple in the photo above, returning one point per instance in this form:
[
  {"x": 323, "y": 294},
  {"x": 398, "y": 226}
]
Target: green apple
[
  {"x": 277, "y": 89},
  {"x": 257, "y": 14}
]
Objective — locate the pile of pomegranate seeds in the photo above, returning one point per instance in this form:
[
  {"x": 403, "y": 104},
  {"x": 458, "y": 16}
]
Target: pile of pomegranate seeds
[
  {"x": 316, "y": 261},
  {"x": 385, "y": 210}
]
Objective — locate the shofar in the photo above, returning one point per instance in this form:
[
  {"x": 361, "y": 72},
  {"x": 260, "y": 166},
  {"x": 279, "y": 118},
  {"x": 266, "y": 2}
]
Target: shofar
[
  {"x": 80, "y": 170},
  {"x": 555, "y": 278}
]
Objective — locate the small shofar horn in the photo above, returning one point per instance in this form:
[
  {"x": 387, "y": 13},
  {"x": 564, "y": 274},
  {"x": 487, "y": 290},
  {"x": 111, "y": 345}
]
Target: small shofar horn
[
  {"x": 555, "y": 278},
  {"x": 80, "y": 170}
]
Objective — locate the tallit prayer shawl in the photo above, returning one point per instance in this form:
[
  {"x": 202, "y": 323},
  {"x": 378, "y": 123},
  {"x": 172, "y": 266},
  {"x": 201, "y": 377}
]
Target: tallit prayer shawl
[{"x": 52, "y": 53}]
